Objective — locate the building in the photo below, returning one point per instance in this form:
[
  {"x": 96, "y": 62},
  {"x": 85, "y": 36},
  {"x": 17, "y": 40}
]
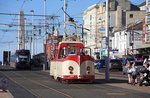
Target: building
[
  {"x": 122, "y": 14},
  {"x": 90, "y": 22},
  {"x": 128, "y": 39},
  {"x": 135, "y": 39},
  {"x": 146, "y": 27},
  {"x": 142, "y": 6}
]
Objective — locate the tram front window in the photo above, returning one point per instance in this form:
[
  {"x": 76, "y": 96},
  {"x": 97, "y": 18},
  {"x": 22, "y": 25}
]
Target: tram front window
[
  {"x": 72, "y": 51},
  {"x": 23, "y": 58}
]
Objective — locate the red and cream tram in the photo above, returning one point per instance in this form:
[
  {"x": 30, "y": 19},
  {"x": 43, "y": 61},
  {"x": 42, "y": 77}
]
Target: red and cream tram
[{"x": 72, "y": 61}]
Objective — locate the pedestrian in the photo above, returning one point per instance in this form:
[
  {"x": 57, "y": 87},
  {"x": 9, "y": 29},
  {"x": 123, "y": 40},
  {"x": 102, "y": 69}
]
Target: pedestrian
[
  {"x": 144, "y": 75},
  {"x": 129, "y": 72},
  {"x": 133, "y": 73}
]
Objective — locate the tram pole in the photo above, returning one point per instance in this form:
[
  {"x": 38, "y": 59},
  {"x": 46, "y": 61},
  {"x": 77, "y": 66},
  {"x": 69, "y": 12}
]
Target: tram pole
[
  {"x": 65, "y": 18},
  {"x": 45, "y": 38},
  {"x": 107, "y": 41}
]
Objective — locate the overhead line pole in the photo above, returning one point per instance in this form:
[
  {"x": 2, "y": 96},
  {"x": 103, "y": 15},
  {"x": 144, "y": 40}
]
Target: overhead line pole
[
  {"x": 32, "y": 34},
  {"x": 45, "y": 37},
  {"x": 65, "y": 18},
  {"x": 107, "y": 41}
]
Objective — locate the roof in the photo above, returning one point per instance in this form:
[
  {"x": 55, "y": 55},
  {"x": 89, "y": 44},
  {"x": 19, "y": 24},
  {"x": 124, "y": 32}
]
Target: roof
[
  {"x": 143, "y": 46},
  {"x": 134, "y": 8},
  {"x": 142, "y": 4}
]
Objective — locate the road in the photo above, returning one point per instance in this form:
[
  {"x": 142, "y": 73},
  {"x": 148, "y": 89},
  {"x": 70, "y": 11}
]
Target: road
[{"x": 38, "y": 84}]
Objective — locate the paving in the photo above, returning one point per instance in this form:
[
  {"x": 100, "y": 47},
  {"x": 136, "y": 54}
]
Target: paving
[
  {"x": 121, "y": 81},
  {"x": 6, "y": 94}
]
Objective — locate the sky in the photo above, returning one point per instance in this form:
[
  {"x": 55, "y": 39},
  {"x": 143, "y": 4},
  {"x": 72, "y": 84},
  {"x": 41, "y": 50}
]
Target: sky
[{"x": 8, "y": 40}]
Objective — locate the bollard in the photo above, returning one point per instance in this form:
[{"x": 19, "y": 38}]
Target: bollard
[{"x": 3, "y": 84}]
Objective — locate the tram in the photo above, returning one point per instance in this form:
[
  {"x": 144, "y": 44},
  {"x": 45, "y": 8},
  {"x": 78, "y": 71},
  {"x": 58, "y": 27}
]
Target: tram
[
  {"x": 21, "y": 59},
  {"x": 72, "y": 61}
]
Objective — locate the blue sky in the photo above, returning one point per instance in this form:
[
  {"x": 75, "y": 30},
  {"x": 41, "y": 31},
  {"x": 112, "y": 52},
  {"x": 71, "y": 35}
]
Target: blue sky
[{"x": 75, "y": 9}]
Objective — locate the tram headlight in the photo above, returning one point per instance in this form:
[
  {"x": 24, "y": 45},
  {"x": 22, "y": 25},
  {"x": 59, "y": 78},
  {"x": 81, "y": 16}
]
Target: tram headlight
[
  {"x": 71, "y": 69},
  {"x": 88, "y": 68},
  {"x": 71, "y": 72}
]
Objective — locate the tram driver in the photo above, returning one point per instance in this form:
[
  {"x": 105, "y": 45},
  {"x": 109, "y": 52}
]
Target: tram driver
[{"x": 71, "y": 51}]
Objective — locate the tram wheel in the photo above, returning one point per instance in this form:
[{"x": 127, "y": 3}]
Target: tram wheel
[
  {"x": 52, "y": 77},
  {"x": 64, "y": 81}
]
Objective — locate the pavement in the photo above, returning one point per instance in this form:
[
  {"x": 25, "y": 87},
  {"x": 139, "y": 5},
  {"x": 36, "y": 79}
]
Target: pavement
[
  {"x": 120, "y": 82},
  {"x": 6, "y": 94}
]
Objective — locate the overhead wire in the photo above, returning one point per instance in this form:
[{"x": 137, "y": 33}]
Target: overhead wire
[{"x": 13, "y": 20}]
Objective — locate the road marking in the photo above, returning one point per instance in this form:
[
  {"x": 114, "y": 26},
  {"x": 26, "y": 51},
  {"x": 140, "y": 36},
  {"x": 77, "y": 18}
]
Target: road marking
[{"x": 115, "y": 93}]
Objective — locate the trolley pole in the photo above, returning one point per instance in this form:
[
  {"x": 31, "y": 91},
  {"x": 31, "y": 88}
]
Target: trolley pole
[
  {"x": 65, "y": 18},
  {"x": 107, "y": 41}
]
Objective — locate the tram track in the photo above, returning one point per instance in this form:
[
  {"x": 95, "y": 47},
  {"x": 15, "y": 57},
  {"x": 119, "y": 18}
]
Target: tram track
[
  {"x": 34, "y": 82},
  {"x": 91, "y": 88},
  {"x": 39, "y": 83}
]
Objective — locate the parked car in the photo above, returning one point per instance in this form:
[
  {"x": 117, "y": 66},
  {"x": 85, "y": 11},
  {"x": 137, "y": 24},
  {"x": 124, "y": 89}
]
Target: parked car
[
  {"x": 114, "y": 64},
  {"x": 138, "y": 65},
  {"x": 99, "y": 64},
  {"x": 124, "y": 60}
]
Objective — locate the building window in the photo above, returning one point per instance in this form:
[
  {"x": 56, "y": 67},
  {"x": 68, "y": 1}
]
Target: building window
[
  {"x": 131, "y": 15},
  {"x": 90, "y": 17}
]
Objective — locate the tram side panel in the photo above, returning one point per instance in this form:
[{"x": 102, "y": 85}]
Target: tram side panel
[{"x": 52, "y": 68}]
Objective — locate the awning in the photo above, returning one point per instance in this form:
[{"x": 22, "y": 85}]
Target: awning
[{"x": 142, "y": 46}]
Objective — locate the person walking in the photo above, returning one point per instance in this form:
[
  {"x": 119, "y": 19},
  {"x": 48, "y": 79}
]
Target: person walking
[
  {"x": 129, "y": 72},
  {"x": 133, "y": 73}
]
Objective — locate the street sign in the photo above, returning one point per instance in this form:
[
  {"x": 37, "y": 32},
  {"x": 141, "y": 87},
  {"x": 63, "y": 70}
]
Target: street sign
[{"x": 102, "y": 29}]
